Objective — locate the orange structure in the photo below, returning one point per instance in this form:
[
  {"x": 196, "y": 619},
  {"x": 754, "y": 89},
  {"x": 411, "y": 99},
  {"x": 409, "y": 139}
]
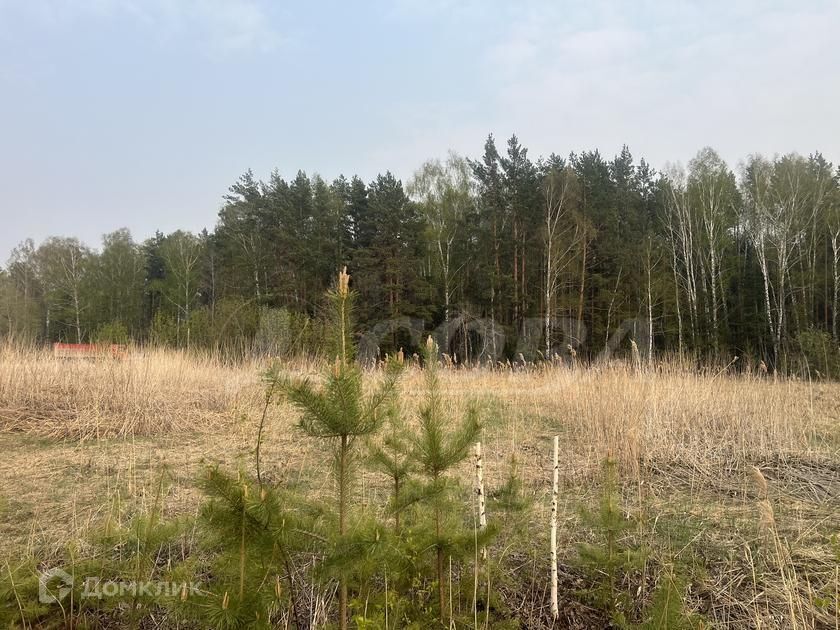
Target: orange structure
[{"x": 89, "y": 351}]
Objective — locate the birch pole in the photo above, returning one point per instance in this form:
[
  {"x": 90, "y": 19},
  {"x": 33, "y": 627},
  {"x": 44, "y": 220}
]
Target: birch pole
[
  {"x": 555, "y": 482},
  {"x": 479, "y": 489}
]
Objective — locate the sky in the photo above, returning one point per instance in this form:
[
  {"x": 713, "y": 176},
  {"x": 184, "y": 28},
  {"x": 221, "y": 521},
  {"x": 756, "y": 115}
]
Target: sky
[{"x": 141, "y": 113}]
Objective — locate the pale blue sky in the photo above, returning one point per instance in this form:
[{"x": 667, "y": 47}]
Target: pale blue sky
[{"x": 141, "y": 113}]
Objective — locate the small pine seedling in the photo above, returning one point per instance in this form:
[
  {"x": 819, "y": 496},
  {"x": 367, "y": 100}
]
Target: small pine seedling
[
  {"x": 338, "y": 412},
  {"x": 437, "y": 449}
]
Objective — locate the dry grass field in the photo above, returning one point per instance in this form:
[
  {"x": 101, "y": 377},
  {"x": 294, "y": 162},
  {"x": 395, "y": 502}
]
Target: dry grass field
[{"x": 736, "y": 477}]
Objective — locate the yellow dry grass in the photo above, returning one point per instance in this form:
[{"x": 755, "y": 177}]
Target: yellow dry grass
[
  {"x": 150, "y": 392},
  {"x": 75, "y": 434}
]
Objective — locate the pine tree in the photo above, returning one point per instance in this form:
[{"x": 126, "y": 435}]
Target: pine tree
[
  {"x": 339, "y": 413},
  {"x": 251, "y": 530},
  {"x": 490, "y": 248},
  {"x": 614, "y": 558},
  {"x": 393, "y": 458},
  {"x": 609, "y": 558},
  {"x": 438, "y": 448}
]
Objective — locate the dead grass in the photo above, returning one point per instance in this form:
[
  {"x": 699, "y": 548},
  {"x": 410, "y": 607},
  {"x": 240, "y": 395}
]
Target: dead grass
[
  {"x": 75, "y": 435},
  {"x": 152, "y": 392}
]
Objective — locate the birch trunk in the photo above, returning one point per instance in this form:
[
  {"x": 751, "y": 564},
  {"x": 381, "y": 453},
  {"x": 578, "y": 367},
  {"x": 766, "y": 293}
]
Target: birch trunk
[
  {"x": 581, "y": 294},
  {"x": 560, "y": 239},
  {"x": 76, "y": 308},
  {"x": 677, "y": 305},
  {"x": 650, "y": 311}
]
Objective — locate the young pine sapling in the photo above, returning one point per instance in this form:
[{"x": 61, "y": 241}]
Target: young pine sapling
[
  {"x": 338, "y": 411},
  {"x": 438, "y": 448}
]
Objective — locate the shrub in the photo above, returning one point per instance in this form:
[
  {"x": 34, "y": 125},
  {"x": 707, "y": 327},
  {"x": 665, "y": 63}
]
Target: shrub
[
  {"x": 819, "y": 355},
  {"x": 112, "y": 332}
]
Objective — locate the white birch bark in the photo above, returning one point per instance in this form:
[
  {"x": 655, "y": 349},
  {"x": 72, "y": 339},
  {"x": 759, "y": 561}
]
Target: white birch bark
[{"x": 561, "y": 237}]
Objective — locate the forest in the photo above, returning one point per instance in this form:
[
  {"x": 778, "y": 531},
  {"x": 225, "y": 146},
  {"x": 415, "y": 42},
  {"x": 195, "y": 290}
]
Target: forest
[{"x": 511, "y": 258}]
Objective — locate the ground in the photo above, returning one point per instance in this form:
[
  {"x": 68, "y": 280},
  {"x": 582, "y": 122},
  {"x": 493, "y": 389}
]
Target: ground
[{"x": 731, "y": 480}]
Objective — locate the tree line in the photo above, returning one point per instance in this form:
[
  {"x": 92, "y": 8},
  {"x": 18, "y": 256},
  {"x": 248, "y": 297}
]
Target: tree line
[{"x": 507, "y": 255}]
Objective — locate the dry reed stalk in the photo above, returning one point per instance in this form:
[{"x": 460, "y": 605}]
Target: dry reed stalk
[
  {"x": 779, "y": 548},
  {"x": 759, "y": 480}
]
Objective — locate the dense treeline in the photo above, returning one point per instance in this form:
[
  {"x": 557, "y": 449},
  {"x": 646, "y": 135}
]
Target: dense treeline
[{"x": 502, "y": 254}]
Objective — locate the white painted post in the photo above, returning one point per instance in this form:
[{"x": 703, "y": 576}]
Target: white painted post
[
  {"x": 479, "y": 488},
  {"x": 555, "y": 609}
]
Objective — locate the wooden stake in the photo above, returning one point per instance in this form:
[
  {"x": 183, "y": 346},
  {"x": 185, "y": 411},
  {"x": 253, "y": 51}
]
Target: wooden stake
[
  {"x": 555, "y": 610},
  {"x": 479, "y": 489}
]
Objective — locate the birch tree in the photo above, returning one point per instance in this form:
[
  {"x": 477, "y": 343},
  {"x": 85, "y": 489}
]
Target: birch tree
[
  {"x": 119, "y": 276},
  {"x": 779, "y": 207},
  {"x": 561, "y": 235},
  {"x": 713, "y": 196},
  {"x": 62, "y": 264},
  {"x": 833, "y": 228},
  {"x": 821, "y": 183},
  {"x": 834, "y": 240},
  {"x": 24, "y": 297},
  {"x": 680, "y": 230},
  {"x": 181, "y": 252},
  {"x": 444, "y": 191}
]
